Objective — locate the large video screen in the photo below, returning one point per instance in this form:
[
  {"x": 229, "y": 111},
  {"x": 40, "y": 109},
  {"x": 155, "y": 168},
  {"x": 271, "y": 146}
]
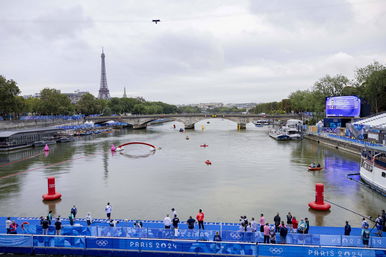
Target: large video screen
[{"x": 343, "y": 106}]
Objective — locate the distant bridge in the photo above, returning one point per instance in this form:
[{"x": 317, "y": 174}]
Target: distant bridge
[{"x": 189, "y": 119}]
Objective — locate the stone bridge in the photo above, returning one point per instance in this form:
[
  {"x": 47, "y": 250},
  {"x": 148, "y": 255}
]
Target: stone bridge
[{"x": 188, "y": 119}]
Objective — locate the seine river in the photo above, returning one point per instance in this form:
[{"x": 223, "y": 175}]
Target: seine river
[{"x": 250, "y": 174}]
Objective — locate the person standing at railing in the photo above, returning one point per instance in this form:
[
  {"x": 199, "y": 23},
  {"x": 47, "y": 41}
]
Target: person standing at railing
[
  {"x": 200, "y": 218},
  {"x": 347, "y": 229},
  {"x": 277, "y": 220},
  {"x": 175, "y": 221},
  {"x": 58, "y": 226},
  {"x": 49, "y": 217},
  {"x": 74, "y": 211},
  {"x": 45, "y": 225},
  {"x": 262, "y": 222},
  {"x": 191, "y": 222},
  {"x": 13, "y": 228},
  {"x": 378, "y": 225},
  {"x": 167, "y": 222},
  {"x": 365, "y": 236},
  {"x": 253, "y": 225},
  {"x": 71, "y": 219},
  {"x": 8, "y": 223},
  {"x": 289, "y": 221},
  {"x": 307, "y": 225},
  {"x": 266, "y": 230},
  {"x": 88, "y": 219},
  {"x": 294, "y": 224},
  {"x": 108, "y": 210},
  {"x": 283, "y": 233},
  {"x": 174, "y": 213}
]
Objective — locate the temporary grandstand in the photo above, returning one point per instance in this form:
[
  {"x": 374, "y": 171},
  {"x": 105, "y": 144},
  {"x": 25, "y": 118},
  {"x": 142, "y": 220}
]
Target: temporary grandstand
[
  {"x": 372, "y": 128},
  {"x": 377, "y": 121}
]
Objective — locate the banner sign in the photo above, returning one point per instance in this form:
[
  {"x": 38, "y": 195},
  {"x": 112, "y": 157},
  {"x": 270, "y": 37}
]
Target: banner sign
[{"x": 15, "y": 241}]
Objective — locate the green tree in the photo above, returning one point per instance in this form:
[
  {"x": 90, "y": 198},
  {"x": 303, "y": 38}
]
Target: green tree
[
  {"x": 362, "y": 74},
  {"x": 8, "y": 96},
  {"x": 115, "y": 105},
  {"x": 32, "y": 105},
  {"x": 52, "y": 102},
  {"x": 331, "y": 86},
  {"x": 88, "y": 104},
  {"x": 375, "y": 90}
]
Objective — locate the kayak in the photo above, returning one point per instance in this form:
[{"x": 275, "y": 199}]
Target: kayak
[{"x": 316, "y": 168}]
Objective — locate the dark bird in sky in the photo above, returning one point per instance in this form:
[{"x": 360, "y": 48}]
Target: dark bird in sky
[{"x": 156, "y": 21}]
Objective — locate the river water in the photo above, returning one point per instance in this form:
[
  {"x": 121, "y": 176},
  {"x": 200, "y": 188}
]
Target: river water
[{"x": 250, "y": 174}]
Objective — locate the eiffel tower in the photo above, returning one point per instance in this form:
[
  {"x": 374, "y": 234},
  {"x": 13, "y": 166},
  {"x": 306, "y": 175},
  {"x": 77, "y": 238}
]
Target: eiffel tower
[{"x": 104, "y": 92}]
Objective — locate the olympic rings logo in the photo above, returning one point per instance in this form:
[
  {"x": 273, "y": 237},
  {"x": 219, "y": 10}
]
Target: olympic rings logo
[
  {"x": 101, "y": 243},
  {"x": 235, "y": 235},
  {"x": 275, "y": 250}
]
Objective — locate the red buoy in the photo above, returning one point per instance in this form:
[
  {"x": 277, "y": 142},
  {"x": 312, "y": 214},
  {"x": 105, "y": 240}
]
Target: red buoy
[
  {"x": 204, "y": 145},
  {"x": 319, "y": 203},
  {"x": 52, "y": 194},
  {"x": 207, "y": 162}
]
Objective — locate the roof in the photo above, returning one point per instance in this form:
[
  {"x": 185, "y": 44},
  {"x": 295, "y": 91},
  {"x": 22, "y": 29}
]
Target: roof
[
  {"x": 9, "y": 133},
  {"x": 377, "y": 121}
]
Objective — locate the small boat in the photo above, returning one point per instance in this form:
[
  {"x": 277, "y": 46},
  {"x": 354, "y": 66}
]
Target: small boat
[
  {"x": 43, "y": 143},
  {"x": 279, "y": 135},
  {"x": 373, "y": 169},
  {"x": 65, "y": 139},
  {"x": 314, "y": 168}
]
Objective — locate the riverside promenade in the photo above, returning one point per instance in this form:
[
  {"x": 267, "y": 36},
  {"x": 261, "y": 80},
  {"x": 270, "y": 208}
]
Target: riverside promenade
[
  {"x": 354, "y": 146},
  {"x": 127, "y": 240}
]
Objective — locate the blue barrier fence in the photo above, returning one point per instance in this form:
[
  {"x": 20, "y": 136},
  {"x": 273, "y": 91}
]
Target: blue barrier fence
[
  {"x": 355, "y": 141},
  {"x": 52, "y": 117},
  {"x": 101, "y": 245},
  {"x": 208, "y": 235}
]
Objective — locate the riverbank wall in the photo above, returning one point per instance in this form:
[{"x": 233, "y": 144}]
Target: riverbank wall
[
  {"x": 335, "y": 143},
  {"x": 25, "y": 124}
]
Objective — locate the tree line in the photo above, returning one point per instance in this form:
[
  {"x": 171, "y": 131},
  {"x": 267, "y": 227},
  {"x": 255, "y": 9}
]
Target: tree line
[
  {"x": 53, "y": 102},
  {"x": 369, "y": 84}
]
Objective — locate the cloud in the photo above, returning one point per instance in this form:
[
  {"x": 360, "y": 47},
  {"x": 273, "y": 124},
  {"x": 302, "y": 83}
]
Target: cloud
[{"x": 222, "y": 51}]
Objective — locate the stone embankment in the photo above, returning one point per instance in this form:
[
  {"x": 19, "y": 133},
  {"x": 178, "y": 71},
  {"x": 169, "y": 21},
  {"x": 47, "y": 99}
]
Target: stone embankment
[
  {"x": 335, "y": 143},
  {"x": 29, "y": 124}
]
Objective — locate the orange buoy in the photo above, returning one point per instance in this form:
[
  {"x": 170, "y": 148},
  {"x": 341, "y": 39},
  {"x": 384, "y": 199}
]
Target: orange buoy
[
  {"x": 207, "y": 162},
  {"x": 319, "y": 203},
  {"x": 52, "y": 194}
]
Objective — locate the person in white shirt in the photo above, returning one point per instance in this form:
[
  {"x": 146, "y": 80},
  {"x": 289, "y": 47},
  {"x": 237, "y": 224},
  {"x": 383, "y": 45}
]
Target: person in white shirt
[
  {"x": 8, "y": 223},
  {"x": 89, "y": 219},
  {"x": 174, "y": 212},
  {"x": 167, "y": 221},
  {"x": 108, "y": 210},
  {"x": 253, "y": 225}
]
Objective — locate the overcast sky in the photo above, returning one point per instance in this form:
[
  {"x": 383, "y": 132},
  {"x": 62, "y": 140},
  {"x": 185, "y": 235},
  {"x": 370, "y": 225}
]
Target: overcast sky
[{"x": 201, "y": 51}]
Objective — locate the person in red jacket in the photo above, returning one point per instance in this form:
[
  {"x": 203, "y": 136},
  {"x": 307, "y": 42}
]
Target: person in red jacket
[
  {"x": 294, "y": 224},
  {"x": 200, "y": 218},
  {"x": 13, "y": 228}
]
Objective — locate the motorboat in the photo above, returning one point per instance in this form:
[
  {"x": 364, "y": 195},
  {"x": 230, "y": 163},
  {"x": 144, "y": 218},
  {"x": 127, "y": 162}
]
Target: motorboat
[
  {"x": 279, "y": 135},
  {"x": 291, "y": 131},
  {"x": 373, "y": 169},
  {"x": 43, "y": 143},
  {"x": 261, "y": 123}
]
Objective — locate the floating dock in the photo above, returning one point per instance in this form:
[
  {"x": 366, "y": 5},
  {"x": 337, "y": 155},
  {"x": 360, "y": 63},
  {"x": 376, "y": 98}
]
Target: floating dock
[{"x": 100, "y": 239}]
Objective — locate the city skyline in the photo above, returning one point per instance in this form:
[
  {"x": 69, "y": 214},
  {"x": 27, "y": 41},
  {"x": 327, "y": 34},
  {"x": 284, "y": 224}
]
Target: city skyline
[{"x": 233, "y": 51}]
